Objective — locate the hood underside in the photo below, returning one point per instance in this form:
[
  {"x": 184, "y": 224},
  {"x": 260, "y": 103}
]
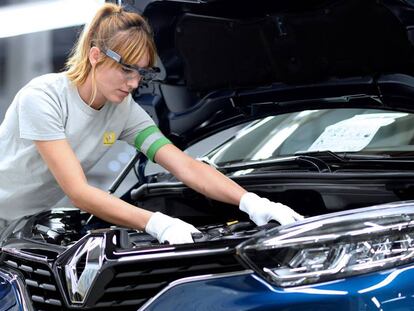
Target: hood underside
[
  {"x": 229, "y": 44},
  {"x": 222, "y": 60}
]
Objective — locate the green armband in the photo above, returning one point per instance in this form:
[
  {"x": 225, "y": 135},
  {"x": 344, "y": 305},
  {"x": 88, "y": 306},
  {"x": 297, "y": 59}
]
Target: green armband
[{"x": 150, "y": 140}]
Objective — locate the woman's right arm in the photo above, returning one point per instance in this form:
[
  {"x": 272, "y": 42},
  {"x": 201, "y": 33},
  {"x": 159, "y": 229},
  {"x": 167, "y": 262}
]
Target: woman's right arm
[{"x": 66, "y": 169}]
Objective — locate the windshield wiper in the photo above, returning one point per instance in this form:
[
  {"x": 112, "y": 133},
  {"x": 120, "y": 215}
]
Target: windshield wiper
[{"x": 322, "y": 161}]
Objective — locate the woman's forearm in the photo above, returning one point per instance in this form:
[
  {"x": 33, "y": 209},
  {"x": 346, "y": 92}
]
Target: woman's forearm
[
  {"x": 210, "y": 182},
  {"x": 199, "y": 176},
  {"x": 110, "y": 208}
]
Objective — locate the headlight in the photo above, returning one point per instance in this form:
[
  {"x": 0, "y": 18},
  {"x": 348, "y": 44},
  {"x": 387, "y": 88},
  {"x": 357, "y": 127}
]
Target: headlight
[
  {"x": 334, "y": 246},
  {"x": 82, "y": 268}
]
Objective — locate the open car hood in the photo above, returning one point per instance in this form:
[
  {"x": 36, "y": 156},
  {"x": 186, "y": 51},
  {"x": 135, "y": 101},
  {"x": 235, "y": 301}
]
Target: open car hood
[{"x": 223, "y": 62}]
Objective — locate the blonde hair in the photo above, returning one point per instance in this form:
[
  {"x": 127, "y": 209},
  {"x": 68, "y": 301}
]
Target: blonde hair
[{"x": 126, "y": 33}]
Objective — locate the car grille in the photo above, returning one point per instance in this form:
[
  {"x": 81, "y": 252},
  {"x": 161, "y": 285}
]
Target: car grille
[
  {"x": 134, "y": 283},
  {"x": 40, "y": 283},
  {"x": 120, "y": 286}
]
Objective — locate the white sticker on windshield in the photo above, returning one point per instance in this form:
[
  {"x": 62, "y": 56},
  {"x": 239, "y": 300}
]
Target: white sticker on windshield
[{"x": 353, "y": 134}]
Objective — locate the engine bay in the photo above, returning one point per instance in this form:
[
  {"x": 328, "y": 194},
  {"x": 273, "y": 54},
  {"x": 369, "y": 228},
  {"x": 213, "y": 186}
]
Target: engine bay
[
  {"x": 65, "y": 226},
  {"x": 311, "y": 196}
]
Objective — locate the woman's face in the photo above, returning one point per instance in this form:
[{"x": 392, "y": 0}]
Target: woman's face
[{"x": 114, "y": 84}]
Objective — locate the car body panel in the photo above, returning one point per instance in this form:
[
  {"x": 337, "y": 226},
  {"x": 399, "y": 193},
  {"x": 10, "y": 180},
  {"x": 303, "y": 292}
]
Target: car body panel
[
  {"x": 13, "y": 296},
  {"x": 387, "y": 290}
]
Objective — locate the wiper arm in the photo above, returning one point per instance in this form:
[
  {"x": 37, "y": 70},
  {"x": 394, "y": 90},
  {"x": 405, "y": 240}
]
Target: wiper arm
[
  {"x": 353, "y": 161},
  {"x": 342, "y": 156},
  {"x": 320, "y": 165}
]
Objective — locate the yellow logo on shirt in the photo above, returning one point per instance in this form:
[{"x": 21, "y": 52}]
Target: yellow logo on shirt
[{"x": 109, "y": 138}]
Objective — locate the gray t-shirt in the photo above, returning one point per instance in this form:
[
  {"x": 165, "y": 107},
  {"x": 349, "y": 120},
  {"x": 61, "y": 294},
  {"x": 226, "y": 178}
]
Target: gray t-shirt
[{"x": 48, "y": 108}]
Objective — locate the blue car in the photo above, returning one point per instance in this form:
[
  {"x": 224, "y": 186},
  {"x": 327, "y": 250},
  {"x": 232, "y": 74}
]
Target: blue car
[{"x": 309, "y": 103}]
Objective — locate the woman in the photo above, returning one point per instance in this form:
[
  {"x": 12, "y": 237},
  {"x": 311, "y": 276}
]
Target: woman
[{"x": 60, "y": 125}]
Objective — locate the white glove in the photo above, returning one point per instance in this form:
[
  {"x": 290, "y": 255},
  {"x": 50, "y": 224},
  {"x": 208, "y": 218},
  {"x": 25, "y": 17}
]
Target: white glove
[
  {"x": 262, "y": 210},
  {"x": 173, "y": 230}
]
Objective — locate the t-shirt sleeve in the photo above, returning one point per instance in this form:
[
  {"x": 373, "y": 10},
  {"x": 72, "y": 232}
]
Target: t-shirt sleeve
[
  {"x": 142, "y": 133},
  {"x": 40, "y": 116}
]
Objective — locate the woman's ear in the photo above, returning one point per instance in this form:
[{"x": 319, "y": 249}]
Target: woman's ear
[{"x": 94, "y": 54}]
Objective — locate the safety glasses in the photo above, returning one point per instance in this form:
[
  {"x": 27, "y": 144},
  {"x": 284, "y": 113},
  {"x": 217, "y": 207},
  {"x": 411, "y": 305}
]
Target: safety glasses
[{"x": 130, "y": 72}]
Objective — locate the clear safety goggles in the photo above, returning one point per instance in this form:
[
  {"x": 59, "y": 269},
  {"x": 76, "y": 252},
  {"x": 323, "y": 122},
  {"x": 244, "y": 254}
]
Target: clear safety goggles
[{"x": 131, "y": 72}]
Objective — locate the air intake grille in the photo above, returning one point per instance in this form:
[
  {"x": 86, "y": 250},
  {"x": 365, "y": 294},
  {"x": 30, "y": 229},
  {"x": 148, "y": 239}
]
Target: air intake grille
[
  {"x": 134, "y": 283},
  {"x": 120, "y": 286},
  {"x": 40, "y": 283}
]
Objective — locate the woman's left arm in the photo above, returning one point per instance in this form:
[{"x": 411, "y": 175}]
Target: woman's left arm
[
  {"x": 210, "y": 182},
  {"x": 199, "y": 176}
]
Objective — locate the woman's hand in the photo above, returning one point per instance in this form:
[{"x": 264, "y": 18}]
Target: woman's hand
[
  {"x": 169, "y": 229},
  {"x": 262, "y": 210}
]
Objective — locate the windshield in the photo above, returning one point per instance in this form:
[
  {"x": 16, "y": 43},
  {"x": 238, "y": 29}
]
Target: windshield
[{"x": 365, "y": 131}]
